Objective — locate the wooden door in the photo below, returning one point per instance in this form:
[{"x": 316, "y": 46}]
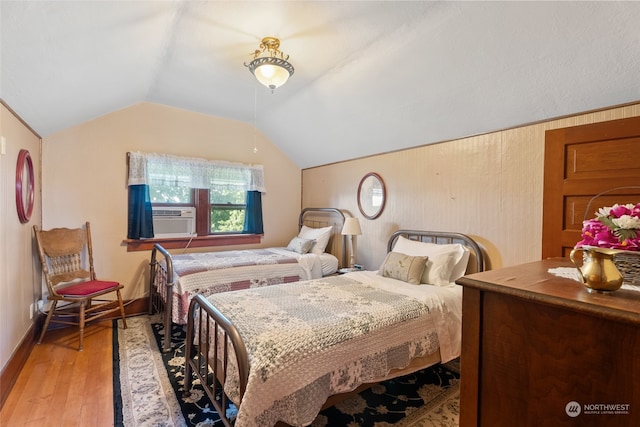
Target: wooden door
[{"x": 579, "y": 163}]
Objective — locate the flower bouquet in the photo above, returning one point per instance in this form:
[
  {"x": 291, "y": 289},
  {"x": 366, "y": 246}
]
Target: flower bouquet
[{"x": 617, "y": 227}]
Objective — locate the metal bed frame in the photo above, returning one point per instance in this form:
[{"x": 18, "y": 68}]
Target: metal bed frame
[
  {"x": 226, "y": 338},
  {"x": 161, "y": 264}
]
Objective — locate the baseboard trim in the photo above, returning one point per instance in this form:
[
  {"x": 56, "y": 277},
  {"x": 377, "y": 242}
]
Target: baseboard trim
[
  {"x": 16, "y": 362},
  {"x": 10, "y": 373}
]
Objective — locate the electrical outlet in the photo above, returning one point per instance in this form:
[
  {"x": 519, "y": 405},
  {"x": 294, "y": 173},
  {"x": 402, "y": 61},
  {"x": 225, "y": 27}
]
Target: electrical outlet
[{"x": 31, "y": 311}]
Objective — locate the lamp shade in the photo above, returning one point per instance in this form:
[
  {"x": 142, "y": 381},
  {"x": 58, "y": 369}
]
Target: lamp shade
[
  {"x": 351, "y": 227},
  {"x": 272, "y": 75}
]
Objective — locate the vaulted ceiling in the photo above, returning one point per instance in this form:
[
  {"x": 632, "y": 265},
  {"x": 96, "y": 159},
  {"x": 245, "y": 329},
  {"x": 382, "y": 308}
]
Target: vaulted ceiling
[{"x": 370, "y": 76}]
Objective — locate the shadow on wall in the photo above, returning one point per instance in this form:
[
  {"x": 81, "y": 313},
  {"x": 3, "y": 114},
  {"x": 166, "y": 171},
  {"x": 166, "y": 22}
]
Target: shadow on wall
[
  {"x": 139, "y": 283},
  {"x": 488, "y": 248}
]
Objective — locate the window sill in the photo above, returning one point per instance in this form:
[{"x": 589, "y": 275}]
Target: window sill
[{"x": 195, "y": 242}]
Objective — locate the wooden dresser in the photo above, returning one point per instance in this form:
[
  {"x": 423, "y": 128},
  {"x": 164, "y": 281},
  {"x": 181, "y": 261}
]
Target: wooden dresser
[{"x": 539, "y": 350}]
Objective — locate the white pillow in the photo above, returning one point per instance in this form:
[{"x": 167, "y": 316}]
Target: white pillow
[
  {"x": 461, "y": 266},
  {"x": 446, "y": 263},
  {"x": 438, "y": 268},
  {"x": 300, "y": 245},
  {"x": 320, "y": 236}
]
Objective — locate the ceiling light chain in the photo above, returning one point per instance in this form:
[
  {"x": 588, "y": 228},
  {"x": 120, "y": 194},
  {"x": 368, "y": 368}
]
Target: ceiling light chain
[
  {"x": 255, "y": 120},
  {"x": 270, "y": 66}
]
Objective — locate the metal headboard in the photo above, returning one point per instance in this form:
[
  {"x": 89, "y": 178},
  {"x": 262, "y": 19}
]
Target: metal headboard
[
  {"x": 323, "y": 217},
  {"x": 442, "y": 238}
]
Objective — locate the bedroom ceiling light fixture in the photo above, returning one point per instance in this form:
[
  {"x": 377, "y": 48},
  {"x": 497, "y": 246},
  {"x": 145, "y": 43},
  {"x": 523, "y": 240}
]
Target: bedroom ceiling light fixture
[{"x": 269, "y": 65}]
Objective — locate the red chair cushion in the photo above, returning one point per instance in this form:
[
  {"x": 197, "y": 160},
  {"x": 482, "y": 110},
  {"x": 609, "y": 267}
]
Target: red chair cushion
[{"x": 87, "y": 288}]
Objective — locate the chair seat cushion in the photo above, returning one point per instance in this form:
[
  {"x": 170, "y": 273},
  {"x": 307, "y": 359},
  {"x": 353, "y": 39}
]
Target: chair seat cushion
[{"x": 87, "y": 288}]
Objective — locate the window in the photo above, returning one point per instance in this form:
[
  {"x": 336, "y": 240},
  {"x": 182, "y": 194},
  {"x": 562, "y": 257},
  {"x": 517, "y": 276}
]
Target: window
[
  {"x": 220, "y": 191},
  {"x": 227, "y": 210}
]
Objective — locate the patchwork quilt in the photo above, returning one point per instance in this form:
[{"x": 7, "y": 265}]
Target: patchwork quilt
[
  {"x": 312, "y": 339},
  {"x": 213, "y": 272}
]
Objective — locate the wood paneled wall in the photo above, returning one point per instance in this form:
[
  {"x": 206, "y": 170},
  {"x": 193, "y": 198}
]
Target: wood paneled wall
[{"x": 488, "y": 186}]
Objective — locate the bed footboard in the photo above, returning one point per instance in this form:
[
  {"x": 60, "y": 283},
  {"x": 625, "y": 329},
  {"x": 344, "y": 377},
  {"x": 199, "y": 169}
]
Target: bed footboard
[
  {"x": 212, "y": 337},
  {"x": 161, "y": 289}
]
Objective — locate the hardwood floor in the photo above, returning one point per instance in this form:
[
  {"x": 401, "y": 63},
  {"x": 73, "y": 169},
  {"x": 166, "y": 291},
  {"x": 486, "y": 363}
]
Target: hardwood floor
[{"x": 61, "y": 386}]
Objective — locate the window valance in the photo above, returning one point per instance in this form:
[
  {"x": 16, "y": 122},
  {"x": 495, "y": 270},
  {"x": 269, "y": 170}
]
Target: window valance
[{"x": 165, "y": 169}]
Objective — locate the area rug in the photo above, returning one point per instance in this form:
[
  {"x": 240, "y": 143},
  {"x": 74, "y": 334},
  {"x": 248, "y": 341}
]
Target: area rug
[{"x": 148, "y": 389}]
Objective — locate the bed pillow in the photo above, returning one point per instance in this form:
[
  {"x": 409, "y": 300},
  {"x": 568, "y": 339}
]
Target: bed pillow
[
  {"x": 446, "y": 263},
  {"x": 460, "y": 267},
  {"x": 438, "y": 270},
  {"x": 320, "y": 237},
  {"x": 403, "y": 267},
  {"x": 300, "y": 245}
]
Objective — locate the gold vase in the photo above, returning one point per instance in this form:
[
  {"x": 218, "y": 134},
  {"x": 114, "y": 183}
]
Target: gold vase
[{"x": 597, "y": 269}]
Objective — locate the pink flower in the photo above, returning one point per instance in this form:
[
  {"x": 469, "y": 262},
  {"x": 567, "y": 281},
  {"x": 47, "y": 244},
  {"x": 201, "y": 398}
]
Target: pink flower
[
  {"x": 616, "y": 227},
  {"x": 618, "y": 210}
]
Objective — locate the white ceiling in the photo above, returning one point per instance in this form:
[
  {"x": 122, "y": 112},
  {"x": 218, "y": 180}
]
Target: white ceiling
[{"x": 370, "y": 76}]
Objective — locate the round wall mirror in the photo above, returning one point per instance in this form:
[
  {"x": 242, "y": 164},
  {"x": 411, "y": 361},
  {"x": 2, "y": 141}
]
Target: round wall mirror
[
  {"x": 24, "y": 186},
  {"x": 371, "y": 195}
]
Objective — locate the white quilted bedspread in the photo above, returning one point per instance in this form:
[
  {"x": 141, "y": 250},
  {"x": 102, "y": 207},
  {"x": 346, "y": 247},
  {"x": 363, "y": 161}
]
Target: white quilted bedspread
[
  {"x": 309, "y": 340},
  {"x": 207, "y": 273}
]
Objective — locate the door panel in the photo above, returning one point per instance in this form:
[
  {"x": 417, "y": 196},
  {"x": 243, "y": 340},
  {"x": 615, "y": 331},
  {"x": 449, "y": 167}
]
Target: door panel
[
  {"x": 580, "y": 163},
  {"x": 602, "y": 159}
]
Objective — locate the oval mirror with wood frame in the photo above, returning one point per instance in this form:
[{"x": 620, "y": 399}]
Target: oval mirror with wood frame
[
  {"x": 372, "y": 195},
  {"x": 24, "y": 186}
]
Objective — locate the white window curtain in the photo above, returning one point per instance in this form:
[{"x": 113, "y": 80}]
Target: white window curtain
[{"x": 165, "y": 169}]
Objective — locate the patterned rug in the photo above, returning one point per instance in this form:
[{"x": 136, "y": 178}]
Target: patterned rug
[{"x": 148, "y": 389}]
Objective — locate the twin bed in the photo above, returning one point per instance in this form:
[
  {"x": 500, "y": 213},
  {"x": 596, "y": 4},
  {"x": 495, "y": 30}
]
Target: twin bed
[
  {"x": 281, "y": 353},
  {"x": 317, "y": 251}
]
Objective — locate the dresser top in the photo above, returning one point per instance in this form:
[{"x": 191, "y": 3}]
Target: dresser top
[{"x": 532, "y": 281}]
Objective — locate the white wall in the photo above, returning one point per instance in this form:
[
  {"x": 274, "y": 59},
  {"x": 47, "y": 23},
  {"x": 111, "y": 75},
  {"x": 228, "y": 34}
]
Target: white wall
[
  {"x": 20, "y": 276},
  {"x": 488, "y": 186}
]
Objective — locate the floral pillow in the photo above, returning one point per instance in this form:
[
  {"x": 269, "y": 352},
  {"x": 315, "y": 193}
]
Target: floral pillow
[
  {"x": 300, "y": 245},
  {"x": 403, "y": 267}
]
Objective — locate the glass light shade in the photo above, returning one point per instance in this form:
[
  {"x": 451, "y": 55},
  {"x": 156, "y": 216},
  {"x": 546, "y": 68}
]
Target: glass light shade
[
  {"x": 270, "y": 66},
  {"x": 271, "y": 75},
  {"x": 351, "y": 227}
]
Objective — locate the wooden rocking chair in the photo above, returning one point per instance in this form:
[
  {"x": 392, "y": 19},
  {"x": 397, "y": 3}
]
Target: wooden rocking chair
[{"x": 64, "y": 255}]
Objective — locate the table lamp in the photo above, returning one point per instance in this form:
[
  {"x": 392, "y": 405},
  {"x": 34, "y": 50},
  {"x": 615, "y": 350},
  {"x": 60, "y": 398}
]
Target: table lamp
[{"x": 351, "y": 228}]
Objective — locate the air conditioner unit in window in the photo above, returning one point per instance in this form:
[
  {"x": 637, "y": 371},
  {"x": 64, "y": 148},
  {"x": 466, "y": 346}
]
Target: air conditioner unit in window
[{"x": 174, "y": 222}]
